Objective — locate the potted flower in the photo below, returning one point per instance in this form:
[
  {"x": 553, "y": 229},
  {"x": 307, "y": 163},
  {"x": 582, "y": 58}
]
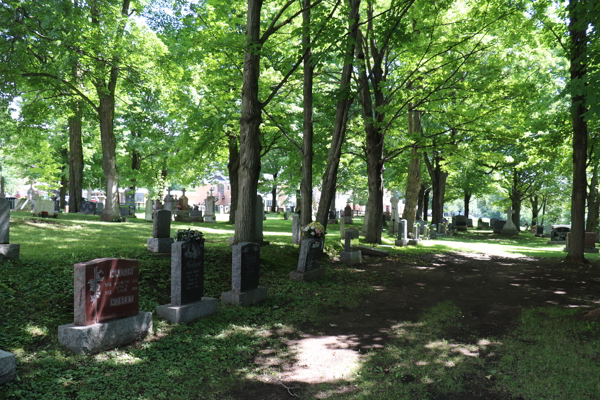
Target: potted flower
[{"x": 314, "y": 230}]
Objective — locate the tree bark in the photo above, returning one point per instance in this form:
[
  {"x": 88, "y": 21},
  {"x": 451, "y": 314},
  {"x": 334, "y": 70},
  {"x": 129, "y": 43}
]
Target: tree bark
[
  {"x": 341, "y": 118},
  {"x": 534, "y": 199},
  {"x": 75, "y": 158},
  {"x": 274, "y": 193},
  {"x": 249, "y": 164},
  {"x": 420, "y": 200},
  {"x": 592, "y": 216},
  {"x": 413, "y": 182},
  {"x": 307, "y": 150},
  {"x": 438, "y": 183},
  {"x": 426, "y": 204},
  {"x": 109, "y": 155},
  {"x": 467, "y": 200},
  {"x": 232, "y": 167},
  {"x": 64, "y": 178}
]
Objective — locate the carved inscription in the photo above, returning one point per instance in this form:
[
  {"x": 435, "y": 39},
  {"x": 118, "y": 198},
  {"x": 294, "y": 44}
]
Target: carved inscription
[
  {"x": 106, "y": 289},
  {"x": 250, "y": 273},
  {"x": 192, "y": 271}
]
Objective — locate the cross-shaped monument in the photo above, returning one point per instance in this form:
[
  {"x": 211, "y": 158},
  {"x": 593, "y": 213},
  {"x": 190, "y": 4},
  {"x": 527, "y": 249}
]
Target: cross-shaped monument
[{"x": 509, "y": 226}]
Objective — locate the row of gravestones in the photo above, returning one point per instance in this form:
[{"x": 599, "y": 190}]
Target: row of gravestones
[{"x": 8, "y": 251}]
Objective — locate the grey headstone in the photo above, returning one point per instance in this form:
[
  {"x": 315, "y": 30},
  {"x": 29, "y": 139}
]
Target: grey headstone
[
  {"x": 8, "y": 367},
  {"x": 296, "y": 229},
  {"x": 4, "y": 220},
  {"x": 90, "y": 339},
  {"x": 310, "y": 254},
  {"x": 148, "y": 211},
  {"x": 347, "y": 240},
  {"x": 245, "y": 267},
  {"x": 161, "y": 227}
]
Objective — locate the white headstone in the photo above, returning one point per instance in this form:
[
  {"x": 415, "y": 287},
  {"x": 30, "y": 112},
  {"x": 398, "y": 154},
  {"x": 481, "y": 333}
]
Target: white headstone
[
  {"x": 509, "y": 225},
  {"x": 148, "y": 214}
]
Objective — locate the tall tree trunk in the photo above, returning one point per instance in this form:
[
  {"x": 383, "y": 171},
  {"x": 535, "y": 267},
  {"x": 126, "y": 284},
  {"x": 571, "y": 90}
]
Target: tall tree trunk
[
  {"x": 426, "y": 204},
  {"x": 249, "y": 165},
  {"x": 307, "y": 150},
  {"x": 413, "y": 182},
  {"x": 109, "y": 153},
  {"x": 75, "y": 157},
  {"x": 592, "y": 216},
  {"x": 516, "y": 206},
  {"x": 64, "y": 178},
  {"x": 467, "y": 200},
  {"x": 420, "y": 200},
  {"x": 136, "y": 164},
  {"x": 535, "y": 200},
  {"x": 577, "y": 28},
  {"x": 341, "y": 118},
  {"x": 438, "y": 183},
  {"x": 232, "y": 167},
  {"x": 274, "y": 193}
]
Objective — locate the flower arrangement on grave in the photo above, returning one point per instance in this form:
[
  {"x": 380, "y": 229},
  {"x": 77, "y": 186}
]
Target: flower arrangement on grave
[
  {"x": 43, "y": 214},
  {"x": 188, "y": 235},
  {"x": 314, "y": 230}
]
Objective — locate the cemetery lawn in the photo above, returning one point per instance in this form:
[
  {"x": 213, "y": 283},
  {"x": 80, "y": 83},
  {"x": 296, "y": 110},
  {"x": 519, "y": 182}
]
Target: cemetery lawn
[{"x": 473, "y": 316}]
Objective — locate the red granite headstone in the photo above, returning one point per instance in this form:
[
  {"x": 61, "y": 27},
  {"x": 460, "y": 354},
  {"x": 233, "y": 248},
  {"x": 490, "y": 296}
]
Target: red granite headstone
[{"x": 106, "y": 288}]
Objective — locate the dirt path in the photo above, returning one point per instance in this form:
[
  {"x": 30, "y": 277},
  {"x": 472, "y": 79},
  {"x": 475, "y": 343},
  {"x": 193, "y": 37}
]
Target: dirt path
[{"x": 490, "y": 291}]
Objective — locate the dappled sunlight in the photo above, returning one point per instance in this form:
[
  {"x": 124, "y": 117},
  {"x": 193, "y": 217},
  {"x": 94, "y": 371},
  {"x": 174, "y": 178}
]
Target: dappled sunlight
[
  {"x": 118, "y": 357},
  {"x": 36, "y": 330}
]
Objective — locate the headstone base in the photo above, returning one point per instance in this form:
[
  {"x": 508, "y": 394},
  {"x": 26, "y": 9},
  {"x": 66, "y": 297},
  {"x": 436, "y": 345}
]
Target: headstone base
[
  {"x": 245, "y": 298},
  {"x": 351, "y": 257},
  {"x": 160, "y": 245},
  {"x": 372, "y": 251},
  {"x": 90, "y": 339},
  {"x": 509, "y": 232},
  {"x": 401, "y": 242},
  {"x": 414, "y": 242},
  {"x": 308, "y": 275},
  {"x": 196, "y": 219},
  {"x": 209, "y": 218},
  {"x": 348, "y": 220},
  {"x": 188, "y": 312},
  {"x": 8, "y": 367},
  {"x": 557, "y": 242},
  {"x": 9, "y": 251}
]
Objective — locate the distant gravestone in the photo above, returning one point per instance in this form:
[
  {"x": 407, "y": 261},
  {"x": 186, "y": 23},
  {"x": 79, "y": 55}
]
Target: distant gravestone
[
  {"x": 460, "y": 223},
  {"x": 539, "y": 230},
  {"x": 209, "y": 215},
  {"x": 402, "y": 239},
  {"x": 245, "y": 276},
  {"x": 187, "y": 282},
  {"x": 161, "y": 231},
  {"x": 87, "y": 207},
  {"x": 509, "y": 228},
  {"x": 350, "y": 255},
  {"x": 169, "y": 202},
  {"x": 296, "y": 229},
  {"x": 348, "y": 214},
  {"x": 342, "y": 228},
  {"x": 311, "y": 250},
  {"x": 589, "y": 244},
  {"x": 8, "y": 251},
  {"x": 148, "y": 211},
  {"x": 106, "y": 307},
  {"x": 498, "y": 225},
  {"x": 44, "y": 206}
]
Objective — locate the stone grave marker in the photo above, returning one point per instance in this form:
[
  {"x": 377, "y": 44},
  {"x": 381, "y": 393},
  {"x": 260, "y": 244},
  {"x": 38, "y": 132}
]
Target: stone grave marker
[
  {"x": 8, "y": 251},
  {"x": 342, "y": 228},
  {"x": 589, "y": 245},
  {"x": 161, "y": 242},
  {"x": 539, "y": 230},
  {"x": 498, "y": 225},
  {"x": 187, "y": 281},
  {"x": 509, "y": 227},
  {"x": 169, "y": 202},
  {"x": 558, "y": 234},
  {"x": 148, "y": 211},
  {"x": 296, "y": 229},
  {"x": 311, "y": 250},
  {"x": 350, "y": 255},
  {"x": 209, "y": 215},
  {"x": 460, "y": 223},
  {"x": 348, "y": 214},
  {"x": 8, "y": 367},
  {"x": 106, "y": 307},
  {"x": 402, "y": 239},
  {"x": 42, "y": 205},
  {"x": 245, "y": 276},
  {"x": 196, "y": 215}
]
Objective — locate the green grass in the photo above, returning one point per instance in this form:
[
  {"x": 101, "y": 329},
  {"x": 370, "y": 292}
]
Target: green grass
[{"x": 209, "y": 357}]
